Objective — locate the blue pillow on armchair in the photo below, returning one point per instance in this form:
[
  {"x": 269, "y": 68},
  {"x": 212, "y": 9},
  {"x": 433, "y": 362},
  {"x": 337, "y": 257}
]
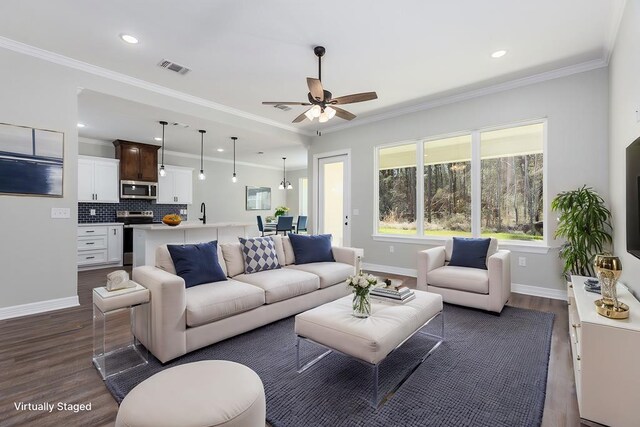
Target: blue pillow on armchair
[
  {"x": 312, "y": 248},
  {"x": 470, "y": 252},
  {"x": 197, "y": 264}
]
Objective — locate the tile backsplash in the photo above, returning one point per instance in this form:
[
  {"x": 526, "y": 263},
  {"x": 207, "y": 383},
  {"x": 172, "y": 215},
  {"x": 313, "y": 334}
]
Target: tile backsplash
[{"x": 106, "y": 212}]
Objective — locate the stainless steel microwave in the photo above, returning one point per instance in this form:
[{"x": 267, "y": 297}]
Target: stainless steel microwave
[{"x": 138, "y": 190}]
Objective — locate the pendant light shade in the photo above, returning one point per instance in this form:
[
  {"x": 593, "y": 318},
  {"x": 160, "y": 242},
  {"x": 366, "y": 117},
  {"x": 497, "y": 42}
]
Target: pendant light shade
[
  {"x": 162, "y": 171},
  {"x": 284, "y": 184},
  {"x": 202, "y": 176},
  {"x": 234, "y": 178}
]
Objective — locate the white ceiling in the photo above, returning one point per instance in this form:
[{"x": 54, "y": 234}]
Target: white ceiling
[
  {"x": 108, "y": 118},
  {"x": 245, "y": 52}
]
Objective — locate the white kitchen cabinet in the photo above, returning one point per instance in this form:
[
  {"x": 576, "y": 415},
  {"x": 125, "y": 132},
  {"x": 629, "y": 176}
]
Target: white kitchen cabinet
[
  {"x": 98, "y": 180},
  {"x": 176, "y": 187},
  {"x": 99, "y": 245}
]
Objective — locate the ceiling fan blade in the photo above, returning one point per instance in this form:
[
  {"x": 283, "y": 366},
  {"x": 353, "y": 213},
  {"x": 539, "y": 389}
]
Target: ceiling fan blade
[
  {"x": 353, "y": 98},
  {"x": 285, "y": 103},
  {"x": 315, "y": 87},
  {"x": 343, "y": 114},
  {"x": 301, "y": 117}
]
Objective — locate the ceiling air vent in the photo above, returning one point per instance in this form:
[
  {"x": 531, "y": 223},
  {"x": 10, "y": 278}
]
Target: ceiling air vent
[
  {"x": 282, "y": 107},
  {"x": 169, "y": 65}
]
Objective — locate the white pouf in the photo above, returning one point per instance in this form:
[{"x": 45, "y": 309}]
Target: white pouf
[{"x": 206, "y": 393}]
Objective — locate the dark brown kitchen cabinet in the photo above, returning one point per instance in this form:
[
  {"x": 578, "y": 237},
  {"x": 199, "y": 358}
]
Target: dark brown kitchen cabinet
[{"x": 138, "y": 162}]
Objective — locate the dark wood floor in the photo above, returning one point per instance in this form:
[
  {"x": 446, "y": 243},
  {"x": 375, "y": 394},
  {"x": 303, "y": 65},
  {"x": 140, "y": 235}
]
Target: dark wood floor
[{"x": 47, "y": 358}]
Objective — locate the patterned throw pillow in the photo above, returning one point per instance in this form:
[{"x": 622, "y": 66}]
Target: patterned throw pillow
[{"x": 259, "y": 254}]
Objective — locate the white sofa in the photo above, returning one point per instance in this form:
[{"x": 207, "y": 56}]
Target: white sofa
[
  {"x": 471, "y": 287},
  {"x": 178, "y": 320}
]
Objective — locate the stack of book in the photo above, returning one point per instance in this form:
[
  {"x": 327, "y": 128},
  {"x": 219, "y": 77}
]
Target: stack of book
[{"x": 394, "y": 295}]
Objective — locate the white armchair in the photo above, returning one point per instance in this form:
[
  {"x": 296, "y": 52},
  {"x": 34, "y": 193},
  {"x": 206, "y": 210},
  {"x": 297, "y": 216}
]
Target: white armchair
[{"x": 472, "y": 287}]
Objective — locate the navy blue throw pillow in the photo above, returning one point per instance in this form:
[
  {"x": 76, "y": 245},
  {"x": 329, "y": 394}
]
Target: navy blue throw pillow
[
  {"x": 469, "y": 252},
  {"x": 307, "y": 249},
  {"x": 197, "y": 264}
]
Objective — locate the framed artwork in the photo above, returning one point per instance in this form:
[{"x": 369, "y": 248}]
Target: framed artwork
[
  {"x": 31, "y": 161},
  {"x": 258, "y": 198}
]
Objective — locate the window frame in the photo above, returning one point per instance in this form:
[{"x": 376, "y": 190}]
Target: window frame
[{"x": 420, "y": 238}]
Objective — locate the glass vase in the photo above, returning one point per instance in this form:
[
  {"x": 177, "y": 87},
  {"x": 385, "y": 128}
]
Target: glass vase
[{"x": 361, "y": 304}]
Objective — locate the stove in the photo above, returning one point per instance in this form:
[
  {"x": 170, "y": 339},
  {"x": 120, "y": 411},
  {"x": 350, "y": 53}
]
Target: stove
[{"x": 129, "y": 218}]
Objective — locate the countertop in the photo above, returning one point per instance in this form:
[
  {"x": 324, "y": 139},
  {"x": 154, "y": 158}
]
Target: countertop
[
  {"x": 98, "y": 224},
  {"x": 188, "y": 224}
]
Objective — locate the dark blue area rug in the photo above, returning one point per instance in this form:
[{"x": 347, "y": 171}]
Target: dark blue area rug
[{"x": 490, "y": 371}]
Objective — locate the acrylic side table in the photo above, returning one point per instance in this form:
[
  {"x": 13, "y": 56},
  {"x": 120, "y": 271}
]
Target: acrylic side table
[{"x": 115, "y": 348}]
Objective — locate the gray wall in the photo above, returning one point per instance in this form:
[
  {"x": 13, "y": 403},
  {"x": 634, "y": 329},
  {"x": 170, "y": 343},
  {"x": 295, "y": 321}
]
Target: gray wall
[
  {"x": 576, "y": 108},
  {"x": 293, "y": 195},
  {"x": 624, "y": 129},
  {"x": 38, "y": 257}
]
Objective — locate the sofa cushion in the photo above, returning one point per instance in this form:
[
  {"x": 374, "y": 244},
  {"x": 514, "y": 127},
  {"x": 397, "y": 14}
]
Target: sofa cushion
[
  {"x": 164, "y": 261},
  {"x": 469, "y": 252},
  {"x": 259, "y": 254},
  {"x": 309, "y": 249},
  {"x": 197, "y": 263},
  {"x": 214, "y": 301},
  {"x": 289, "y": 256},
  {"x": 282, "y": 284},
  {"x": 330, "y": 273},
  {"x": 277, "y": 241},
  {"x": 460, "y": 278},
  {"x": 233, "y": 257}
]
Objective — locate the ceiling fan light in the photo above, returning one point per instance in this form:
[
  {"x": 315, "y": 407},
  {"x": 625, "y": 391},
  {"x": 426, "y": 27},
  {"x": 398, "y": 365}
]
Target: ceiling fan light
[
  {"x": 324, "y": 117},
  {"x": 316, "y": 110},
  {"x": 309, "y": 114},
  {"x": 330, "y": 112}
]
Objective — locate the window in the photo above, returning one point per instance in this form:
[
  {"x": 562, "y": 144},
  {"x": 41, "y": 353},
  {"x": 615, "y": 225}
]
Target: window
[
  {"x": 512, "y": 184},
  {"x": 447, "y": 186},
  {"x": 397, "y": 189},
  {"x": 486, "y": 182}
]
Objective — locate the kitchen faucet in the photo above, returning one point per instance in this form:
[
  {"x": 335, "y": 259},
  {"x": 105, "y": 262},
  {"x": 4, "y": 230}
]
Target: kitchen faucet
[{"x": 203, "y": 211}]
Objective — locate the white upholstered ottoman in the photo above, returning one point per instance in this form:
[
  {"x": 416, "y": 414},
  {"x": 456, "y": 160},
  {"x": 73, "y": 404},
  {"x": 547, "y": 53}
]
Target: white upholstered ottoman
[
  {"x": 206, "y": 393},
  {"x": 369, "y": 340}
]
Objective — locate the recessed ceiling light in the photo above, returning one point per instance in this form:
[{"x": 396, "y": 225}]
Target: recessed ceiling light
[
  {"x": 157, "y": 138},
  {"x": 129, "y": 38},
  {"x": 220, "y": 150},
  {"x": 498, "y": 53},
  {"x": 81, "y": 125}
]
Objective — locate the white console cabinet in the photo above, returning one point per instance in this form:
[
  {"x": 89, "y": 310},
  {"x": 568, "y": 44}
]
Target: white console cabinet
[
  {"x": 99, "y": 245},
  {"x": 605, "y": 357}
]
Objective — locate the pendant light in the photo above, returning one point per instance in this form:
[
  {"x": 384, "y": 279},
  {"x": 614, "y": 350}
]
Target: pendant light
[
  {"x": 284, "y": 184},
  {"x": 162, "y": 171},
  {"x": 234, "y": 178},
  {"x": 202, "y": 176}
]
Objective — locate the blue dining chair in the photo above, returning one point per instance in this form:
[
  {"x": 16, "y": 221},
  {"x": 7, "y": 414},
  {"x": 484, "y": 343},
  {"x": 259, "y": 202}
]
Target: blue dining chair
[
  {"x": 285, "y": 224},
  {"x": 261, "y": 228},
  {"x": 302, "y": 224}
]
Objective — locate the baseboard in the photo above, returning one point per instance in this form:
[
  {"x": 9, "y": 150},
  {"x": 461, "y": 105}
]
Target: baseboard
[
  {"x": 38, "y": 307},
  {"x": 410, "y": 272},
  {"x": 515, "y": 287},
  {"x": 538, "y": 291}
]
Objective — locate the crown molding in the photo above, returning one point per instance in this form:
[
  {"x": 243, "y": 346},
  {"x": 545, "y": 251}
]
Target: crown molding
[
  {"x": 66, "y": 61},
  {"x": 452, "y": 99},
  {"x": 614, "y": 27},
  {"x": 92, "y": 141}
]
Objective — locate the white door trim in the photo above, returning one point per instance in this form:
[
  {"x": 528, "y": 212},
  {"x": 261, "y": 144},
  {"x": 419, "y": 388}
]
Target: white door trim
[{"x": 315, "y": 201}]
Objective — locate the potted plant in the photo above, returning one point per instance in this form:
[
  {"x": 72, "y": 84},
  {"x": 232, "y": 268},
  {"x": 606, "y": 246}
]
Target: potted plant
[
  {"x": 281, "y": 210},
  {"x": 585, "y": 223}
]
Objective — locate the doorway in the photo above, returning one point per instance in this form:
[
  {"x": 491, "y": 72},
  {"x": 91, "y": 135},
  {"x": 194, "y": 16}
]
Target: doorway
[{"x": 333, "y": 178}]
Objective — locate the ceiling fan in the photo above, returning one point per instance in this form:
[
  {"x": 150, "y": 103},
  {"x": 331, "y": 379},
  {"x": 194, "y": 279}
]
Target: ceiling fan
[{"x": 323, "y": 104}]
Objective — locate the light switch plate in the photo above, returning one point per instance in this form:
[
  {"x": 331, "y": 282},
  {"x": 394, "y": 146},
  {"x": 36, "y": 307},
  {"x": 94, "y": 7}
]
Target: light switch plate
[{"x": 60, "y": 213}]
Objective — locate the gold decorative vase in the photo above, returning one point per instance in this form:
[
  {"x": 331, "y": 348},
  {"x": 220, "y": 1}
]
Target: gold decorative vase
[{"x": 608, "y": 269}]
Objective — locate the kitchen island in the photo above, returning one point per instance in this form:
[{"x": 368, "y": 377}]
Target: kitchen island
[{"x": 147, "y": 237}]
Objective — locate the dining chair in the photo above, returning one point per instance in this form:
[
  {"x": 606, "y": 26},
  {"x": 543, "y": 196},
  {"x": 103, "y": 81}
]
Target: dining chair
[
  {"x": 261, "y": 228},
  {"x": 302, "y": 224},
  {"x": 285, "y": 224}
]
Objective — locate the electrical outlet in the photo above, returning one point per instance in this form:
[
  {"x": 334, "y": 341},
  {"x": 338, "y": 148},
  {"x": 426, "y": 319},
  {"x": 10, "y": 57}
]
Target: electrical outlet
[
  {"x": 391, "y": 248},
  {"x": 60, "y": 213},
  {"x": 522, "y": 261},
  {"x": 92, "y": 212}
]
